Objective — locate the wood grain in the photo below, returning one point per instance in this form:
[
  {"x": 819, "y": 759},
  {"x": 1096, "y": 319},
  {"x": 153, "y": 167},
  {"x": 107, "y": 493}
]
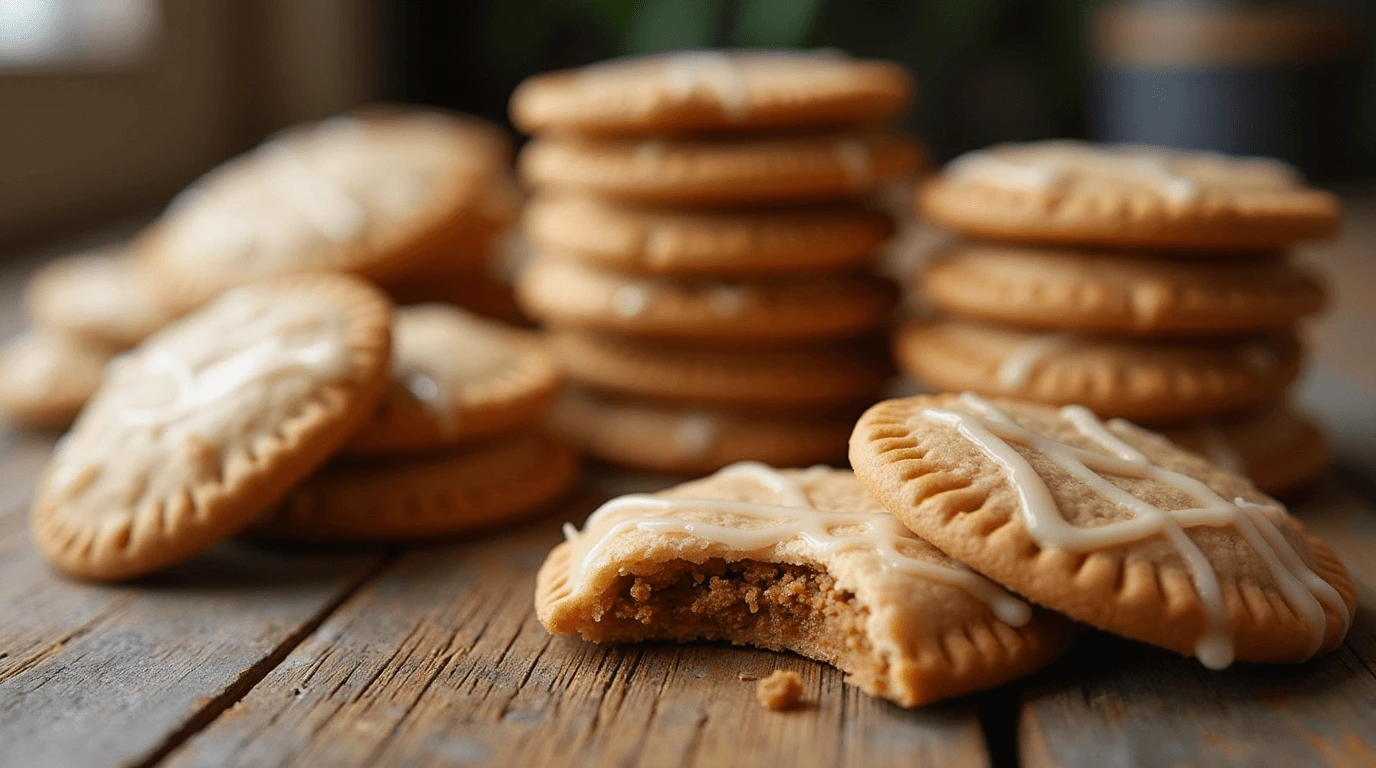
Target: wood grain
[{"x": 440, "y": 660}]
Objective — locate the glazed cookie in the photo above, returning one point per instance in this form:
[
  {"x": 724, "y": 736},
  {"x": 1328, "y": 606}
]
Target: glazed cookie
[
  {"x": 101, "y": 297},
  {"x": 805, "y": 308},
  {"x": 747, "y": 377},
  {"x": 1082, "y": 194},
  {"x": 209, "y": 422},
  {"x": 775, "y": 169},
  {"x": 472, "y": 240},
  {"x": 707, "y": 242},
  {"x": 798, "y": 560},
  {"x": 1145, "y": 380},
  {"x": 455, "y": 378},
  {"x": 428, "y": 495},
  {"x": 373, "y": 194},
  {"x": 1280, "y": 450},
  {"x": 1122, "y": 292},
  {"x": 682, "y": 440},
  {"x": 47, "y": 376},
  {"x": 712, "y": 91},
  {"x": 1107, "y": 523}
]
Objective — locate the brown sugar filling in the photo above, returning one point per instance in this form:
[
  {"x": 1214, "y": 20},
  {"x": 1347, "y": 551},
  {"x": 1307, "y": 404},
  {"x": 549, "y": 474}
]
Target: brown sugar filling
[{"x": 768, "y": 605}]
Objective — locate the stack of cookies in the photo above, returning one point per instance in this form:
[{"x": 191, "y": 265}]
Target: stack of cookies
[
  {"x": 1145, "y": 283},
  {"x": 702, "y": 253}
]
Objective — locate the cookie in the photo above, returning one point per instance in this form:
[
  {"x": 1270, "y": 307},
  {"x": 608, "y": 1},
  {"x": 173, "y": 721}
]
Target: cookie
[
  {"x": 1125, "y": 293},
  {"x": 1080, "y": 194},
  {"x": 774, "y": 169},
  {"x": 211, "y": 421},
  {"x": 472, "y": 240},
  {"x": 455, "y": 378},
  {"x": 1108, "y": 524},
  {"x": 1280, "y": 450},
  {"x": 372, "y": 194},
  {"x": 433, "y": 494},
  {"x": 799, "y": 560},
  {"x": 706, "y": 242},
  {"x": 1143, "y": 380},
  {"x": 803, "y": 308},
  {"x": 712, "y": 91},
  {"x": 46, "y": 377},
  {"x": 797, "y": 377},
  {"x": 101, "y": 297},
  {"x": 692, "y": 440}
]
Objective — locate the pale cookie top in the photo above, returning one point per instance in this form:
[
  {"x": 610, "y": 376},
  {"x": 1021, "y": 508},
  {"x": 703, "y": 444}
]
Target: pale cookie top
[
  {"x": 209, "y": 421},
  {"x": 102, "y": 297},
  {"x": 1107, "y": 523},
  {"x": 46, "y": 377},
  {"x": 688, "y": 91},
  {"x": 456, "y": 376},
  {"x": 1127, "y": 195},
  {"x": 365, "y": 193}
]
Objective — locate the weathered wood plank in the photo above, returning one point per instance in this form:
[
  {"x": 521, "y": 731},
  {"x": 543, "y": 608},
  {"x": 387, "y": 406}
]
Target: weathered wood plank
[
  {"x": 1115, "y": 703},
  {"x": 440, "y": 660},
  {"x": 113, "y": 675}
]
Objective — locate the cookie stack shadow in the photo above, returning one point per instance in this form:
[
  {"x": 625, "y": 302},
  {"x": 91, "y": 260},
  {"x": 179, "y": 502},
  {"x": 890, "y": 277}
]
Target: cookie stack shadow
[
  {"x": 703, "y": 252},
  {"x": 1145, "y": 283}
]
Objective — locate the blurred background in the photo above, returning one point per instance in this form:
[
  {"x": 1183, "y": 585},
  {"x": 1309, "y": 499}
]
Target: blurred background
[{"x": 107, "y": 107}]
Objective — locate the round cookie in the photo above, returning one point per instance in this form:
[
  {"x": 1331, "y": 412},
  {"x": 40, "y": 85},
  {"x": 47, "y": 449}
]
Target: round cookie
[
  {"x": 374, "y": 193},
  {"x": 1123, "y": 293},
  {"x": 1146, "y": 380},
  {"x": 712, "y": 91},
  {"x": 1108, "y": 524},
  {"x": 472, "y": 240},
  {"x": 805, "y": 308},
  {"x": 743, "y": 377},
  {"x": 455, "y": 378},
  {"x": 102, "y": 297},
  {"x": 676, "y": 440},
  {"x": 1280, "y": 450},
  {"x": 1080, "y": 194},
  {"x": 209, "y": 422},
  {"x": 46, "y": 377},
  {"x": 706, "y": 242},
  {"x": 774, "y": 169},
  {"x": 427, "y": 495}
]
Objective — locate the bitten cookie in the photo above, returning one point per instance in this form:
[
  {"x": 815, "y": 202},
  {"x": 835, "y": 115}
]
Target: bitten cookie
[
  {"x": 1107, "y": 523},
  {"x": 433, "y": 494},
  {"x": 374, "y": 193},
  {"x": 1132, "y": 293},
  {"x": 799, "y": 560},
  {"x": 1280, "y": 450},
  {"x": 681, "y": 440},
  {"x": 706, "y": 242},
  {"x": 103, "y": 297},
  {"x": 47, "y": 376},
  {"x": 797, "y": 377},
  {"x": 802, "y": 308},
  {"x": 1146, "y": 380},
  {"x": 209, "y": 422},
  {"x": 455, "y": 378},
  {"x": 774, "y": 169},
  {"x": 1081, "y": 194},
  {"x": 695, "y": 91}
]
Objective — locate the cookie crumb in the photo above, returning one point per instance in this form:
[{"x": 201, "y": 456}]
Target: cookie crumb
[
  {"x": 780, "y": 691},
  {"x": 746, "y": 677}
]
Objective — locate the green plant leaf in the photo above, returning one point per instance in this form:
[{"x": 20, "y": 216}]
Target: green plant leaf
[
  {"x": 775, "y": 23},
  {"x": 662, "y": 25}
]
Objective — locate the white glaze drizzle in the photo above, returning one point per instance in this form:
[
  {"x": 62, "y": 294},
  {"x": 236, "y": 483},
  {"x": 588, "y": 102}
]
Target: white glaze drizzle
[
  {"x": 715, "y": 72},
  {"x": 696, "y": 433},
  {"x": 791, "y": 518},
  {"x": 632, "y": 300},
  {"x": 992, "y": 431},
  {"x": 1018, "y": 365}
]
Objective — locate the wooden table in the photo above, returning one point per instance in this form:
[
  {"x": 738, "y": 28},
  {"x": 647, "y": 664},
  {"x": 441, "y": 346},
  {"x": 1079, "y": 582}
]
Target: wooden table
[{"x": 432, "y": 655}]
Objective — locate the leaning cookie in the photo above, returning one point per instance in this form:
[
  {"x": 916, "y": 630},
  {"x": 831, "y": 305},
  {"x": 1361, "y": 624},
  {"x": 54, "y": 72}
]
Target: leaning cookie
[
  {"x": 799, "y": 560},
  {"x": 103, "y": 297},
  {"x": 455, "y": 378},
  {"x": 1107, "y": 523},
  {"x": 433, "y": 494},
  {"x": 1279, "y": 450},
  {"x": 209, "y": 422},
  {"x": 46, "y": 377},
  {"x": 1079, "y": 194},
  {"x": 713, "y": 91},
  {"x": 1147, "y": 380}
]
